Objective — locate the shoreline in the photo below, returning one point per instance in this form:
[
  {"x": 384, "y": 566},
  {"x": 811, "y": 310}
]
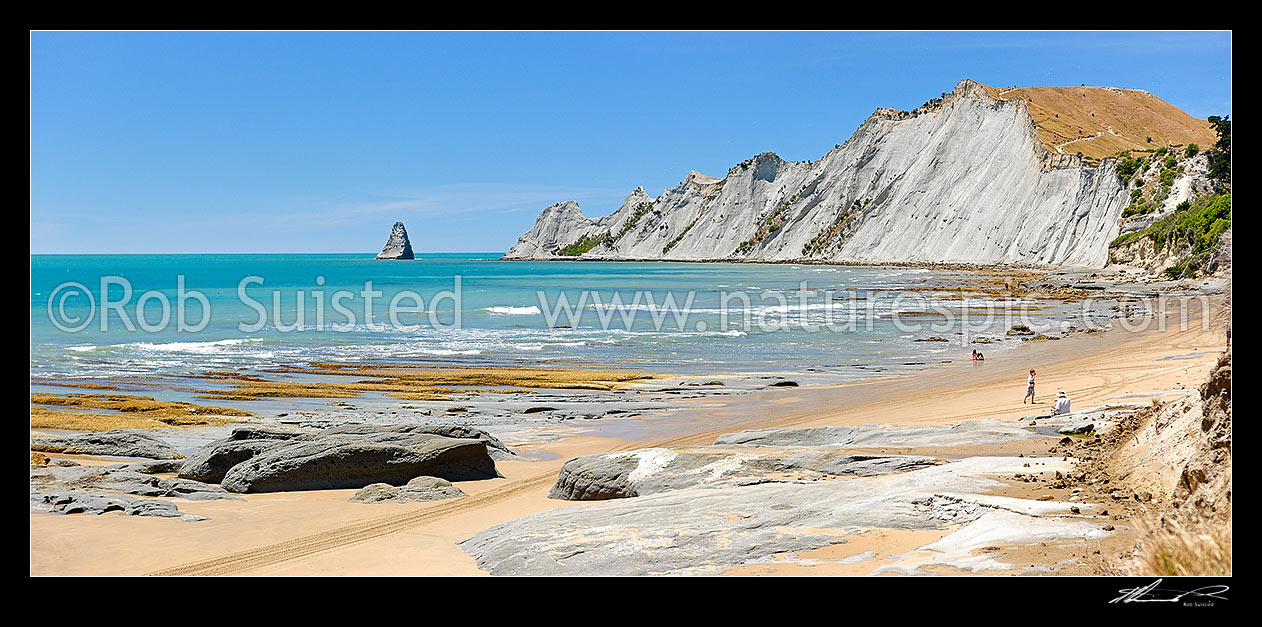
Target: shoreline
[{"x": 1093, "y": 369}]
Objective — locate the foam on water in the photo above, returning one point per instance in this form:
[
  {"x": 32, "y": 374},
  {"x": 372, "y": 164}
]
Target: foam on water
[{"x": 497, "y": 324}]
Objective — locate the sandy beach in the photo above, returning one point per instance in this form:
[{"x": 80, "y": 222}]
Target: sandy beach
[{"x": 320, "y": 533}]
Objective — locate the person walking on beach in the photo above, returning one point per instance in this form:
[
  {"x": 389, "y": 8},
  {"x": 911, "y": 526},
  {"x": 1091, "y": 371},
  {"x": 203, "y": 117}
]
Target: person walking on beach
[{"x": 1029, "y": 389}]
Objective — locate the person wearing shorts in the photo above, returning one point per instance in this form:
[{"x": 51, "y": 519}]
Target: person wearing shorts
[{"x": 1029, "y": 389}]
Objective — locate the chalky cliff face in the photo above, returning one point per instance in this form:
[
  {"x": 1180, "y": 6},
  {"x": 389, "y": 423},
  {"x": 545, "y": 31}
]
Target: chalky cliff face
[{"x": 963, "y": 179}]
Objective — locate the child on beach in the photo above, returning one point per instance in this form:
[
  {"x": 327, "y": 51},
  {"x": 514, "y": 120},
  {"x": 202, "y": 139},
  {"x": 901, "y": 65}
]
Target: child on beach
[{"x": 1029, "y": 389}]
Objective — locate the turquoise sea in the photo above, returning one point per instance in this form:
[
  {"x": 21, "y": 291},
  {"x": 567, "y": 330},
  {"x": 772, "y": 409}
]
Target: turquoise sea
[{"x": 835, "y": 322}]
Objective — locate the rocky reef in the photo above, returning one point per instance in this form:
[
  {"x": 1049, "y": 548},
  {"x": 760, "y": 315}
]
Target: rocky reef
[{"x": 767, "y": 496}]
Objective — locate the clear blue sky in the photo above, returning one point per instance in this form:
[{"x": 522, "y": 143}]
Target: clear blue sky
[{"x": 318, "y": 142}]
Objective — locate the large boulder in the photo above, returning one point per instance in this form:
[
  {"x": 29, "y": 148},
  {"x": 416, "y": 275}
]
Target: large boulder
[
  {"x": 212, "y": 462},
  {"x": 398, "y": 433},
  {"x": 333, "y": 461},
  {"x": 649, "y": 471},
  {"x": 117, "y": 442},
  {"x": 418, "y": 490}
]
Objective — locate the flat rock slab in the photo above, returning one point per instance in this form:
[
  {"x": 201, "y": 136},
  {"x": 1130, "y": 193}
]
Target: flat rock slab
[
  {"x": 156, "y": 466},
  {"x": 972, "y": 432},
  {"x": 118, "y": 478},
  {"x": 649, "y": 471},
  {"x": 100, "y": 503},
  {"x": 117, "y": 442},
  {"x": 705, "y": 529},
  {"x": 418, "y": 490}
]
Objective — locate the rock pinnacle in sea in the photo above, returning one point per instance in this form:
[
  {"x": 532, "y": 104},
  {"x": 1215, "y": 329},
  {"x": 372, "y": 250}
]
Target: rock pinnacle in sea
[{"x": 398, "y": 246}]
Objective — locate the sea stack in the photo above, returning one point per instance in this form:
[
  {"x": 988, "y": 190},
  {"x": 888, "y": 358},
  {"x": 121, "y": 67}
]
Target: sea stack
[{"x": 398, "y": 246}]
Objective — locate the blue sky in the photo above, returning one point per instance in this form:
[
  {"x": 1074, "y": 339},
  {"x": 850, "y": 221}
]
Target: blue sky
[{"x": 318, "y": 142}]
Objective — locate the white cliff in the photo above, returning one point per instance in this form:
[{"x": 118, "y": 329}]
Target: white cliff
[{"x": 962, "y": 179}]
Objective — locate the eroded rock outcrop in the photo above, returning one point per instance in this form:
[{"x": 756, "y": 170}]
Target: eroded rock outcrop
[
  {"x": 268, "y": 459},
  {"x": 99, "y": 503},
  {"x": 117, "y": 442},
  {"x": 339, "y": 461},
  {"x": 703, "y": 530},
  {"x": 398, "y": 246},
  {"x": 649, "y": 471},
  {"x": 212, "y": 462},
  {"x": 418, "y": 490},
  {"x": 119, "y": 478}
]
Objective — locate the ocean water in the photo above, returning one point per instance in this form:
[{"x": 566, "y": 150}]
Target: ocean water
[{"x": 833, "y": 321}]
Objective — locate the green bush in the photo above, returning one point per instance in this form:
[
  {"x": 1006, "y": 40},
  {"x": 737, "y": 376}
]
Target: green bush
[
  {"x": 584, "y": 244},
  {"x": 1191, "y": 151},
  {"x": 1128, "y": 167},
  {"x": 1195, "y": 225},
  {"x": 1167, "y": 178}
]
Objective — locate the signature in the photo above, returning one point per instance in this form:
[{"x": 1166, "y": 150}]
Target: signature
[{"x": 1151, "y": 593}]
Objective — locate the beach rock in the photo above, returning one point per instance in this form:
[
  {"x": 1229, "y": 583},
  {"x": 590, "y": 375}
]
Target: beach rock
[
  {"x": 403, "y": 433},
  {"x": 212, "y": 462},
  {"x": 1020, "y": 329},
  {"x": 345, "y": 460},
  {"x": 1077, "y": 429},
  {"x": 879, "y": 436},
  {"x": 398, "y": 246},
  {"x": 117, "y": 442},
  {"x": 156, "y": 466},
  {"x": 648, "y": 471},
  {"x": 100, "y": 503},
  {"x": 419, "y": 489},
  {"x": 118, "y": 478},
  {"x": 265, "y": 432},
  {"x": 704, "y": 530}
]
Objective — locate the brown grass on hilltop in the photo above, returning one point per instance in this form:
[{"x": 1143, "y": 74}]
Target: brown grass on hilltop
[{"x": 1103, "y": 121}]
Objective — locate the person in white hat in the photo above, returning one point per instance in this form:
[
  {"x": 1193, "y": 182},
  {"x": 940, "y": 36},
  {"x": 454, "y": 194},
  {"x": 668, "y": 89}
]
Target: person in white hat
[{"x": 1062, "y": 404}]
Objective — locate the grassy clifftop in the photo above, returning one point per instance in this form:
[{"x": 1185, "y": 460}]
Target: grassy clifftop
[{"x": 1104, "y": 121}]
